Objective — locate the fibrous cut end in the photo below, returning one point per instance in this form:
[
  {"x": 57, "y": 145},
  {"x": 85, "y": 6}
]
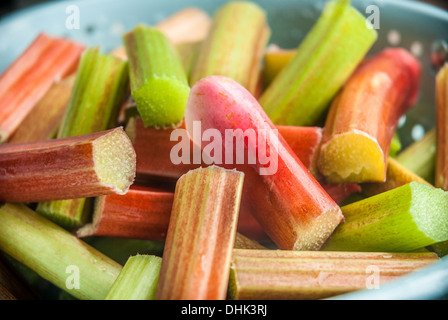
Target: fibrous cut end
[
  {"x": 435, "y": 227},
  {"x": 115, "y": 160},
  {"x": 314, "y": 236},
  {"x": 157, "y": 108},
  {"x": 352, "y": 157}
]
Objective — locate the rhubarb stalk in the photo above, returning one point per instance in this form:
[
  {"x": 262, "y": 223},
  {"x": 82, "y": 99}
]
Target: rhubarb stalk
[
  {"x": 364, "y": 116},
  {"x": 396, "y": 176},
  {"x": 235, "y": 45},
  {"x": 154, "y": 146},
  {"x": 420, "y": 157},
  {"x": 441, "y": 171},
  {"x": 55, "y": 254},
  {"x": 275, "y": 59},
  {"x": 42, "y": 123},
  {"x": 155, "y": 68},
  {"x": 201, "y": 235},
  {"x": 284, "y": 275},
  {"x": 137, "y": 280},
  {"x": 187, "y": 25},
  {"x": 99, "y": 90},
  {"x": 142, "y": 213},
  {"x": 403, "y": 219},
  {"x": 82, "y": 166},
  {"x": 26, "y": 81},
  {"x": 325, "y": 59},
  {"x": 291, "y": 206}
]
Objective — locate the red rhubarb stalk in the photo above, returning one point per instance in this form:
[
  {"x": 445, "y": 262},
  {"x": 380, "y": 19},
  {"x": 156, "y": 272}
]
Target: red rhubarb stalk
[
  {"x": 142, "y": 213},
  {"x": 364, "y": 116},
  {"x": 292, "y": 207},
  {"x": 75, "y": 167},
  {"x": 26, "y": 80}
]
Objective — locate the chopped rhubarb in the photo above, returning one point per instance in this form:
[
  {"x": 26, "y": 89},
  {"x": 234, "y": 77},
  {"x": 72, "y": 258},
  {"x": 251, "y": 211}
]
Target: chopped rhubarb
[
  {"x": 364, "y": 116},
  {"x": 201, "y": 235},
  {"x": 76, "y": 167},
  {"x": 26, "y": 81},
  {"x": 292, "y": 207}
]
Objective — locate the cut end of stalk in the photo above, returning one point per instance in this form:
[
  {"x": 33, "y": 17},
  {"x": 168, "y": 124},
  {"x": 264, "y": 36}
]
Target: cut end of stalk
[
  {"x": 115, "y": 160},
  {"x": 400, "y": 220},
  {"x": 314, "y": 236},
  {"x": 352, "y": 157},
  {"x": 435, "y": 227},
  {"x": 157, "y": 108}
]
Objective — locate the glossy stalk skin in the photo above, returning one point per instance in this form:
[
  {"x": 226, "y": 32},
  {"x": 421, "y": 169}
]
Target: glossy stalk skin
[
  {"x": 420, "y": 157},
  {"x": 142, "y": 213},
  {"x": 27, "y": 79},
  {"x": 42, "y": 123},
  {"x": 54, "y": 253},
  {"x": 100, "y": 87},
  {"x": 310, "y": 275},
  {"x": 396, "y": 176},
  {"x": 291, "y": 206},
  {"x": 72, "y": 169},
  {"x": 364, "y": 116},
  {"x": 324, "y": 60},
  {"x": 441, "y": 171},
  {"x": 403, "y": 219},
  {"x": 137, "y": 280},
  {"x": 201, "y": 235},
  {"x": 235, "y": 45},
  {"x": 187, "y": 25}
]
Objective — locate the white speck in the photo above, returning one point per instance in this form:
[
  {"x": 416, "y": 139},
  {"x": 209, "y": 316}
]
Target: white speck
[
  {"x": 417, "y": 48},
  {"x": 418, "y": 132},
  {"x": 401, "y": 121},
  {"x": 394, "y": 37}
]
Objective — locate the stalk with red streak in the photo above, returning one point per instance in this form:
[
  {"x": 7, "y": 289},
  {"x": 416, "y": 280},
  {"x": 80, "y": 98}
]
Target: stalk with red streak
[
  {"x": 292, "y": 207},
  {"x": 26, "y": 80},
  {"x": 364, "y": 116}
]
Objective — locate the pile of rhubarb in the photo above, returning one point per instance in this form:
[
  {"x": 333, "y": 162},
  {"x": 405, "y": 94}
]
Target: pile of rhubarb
[{"x": 118, "y": 181}]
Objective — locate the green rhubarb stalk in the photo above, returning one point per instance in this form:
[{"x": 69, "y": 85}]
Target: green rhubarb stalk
[
  {"x": 100, "y": 88},
  {"x": 403, "y": 219},
  {"x": 325, "y": 59},
  {"x": 55, "y": 254},
  {"x": 138, "y": 279},
  {"x": 188, "y": 53},
  {"x": 395, "y": 145},
  {"x": 420, "y": 157},
  {"x": 155, "y": 69},
  {"x": 235, "y": 45}
]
